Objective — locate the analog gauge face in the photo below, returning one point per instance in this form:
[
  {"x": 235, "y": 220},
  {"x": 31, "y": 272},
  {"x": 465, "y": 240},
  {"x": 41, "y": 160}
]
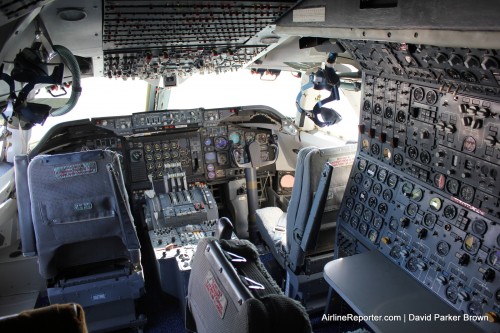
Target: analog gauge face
[
  {"x": 407, "y": 189},
  {"x": 471, "y": 244},
  {"x": 479, "y": 227},
  {"x": 261, "y": 138},
  {"x": 210, "y": 157},
  {"x": 411, "y": 264},
  {"x": 136, "y": 155},
  {"x": 372, "y": 170},
  {"x": 417, "y": 194},
  {"x": 363, "y": 196},
  {"x": 439, "y": 181},
  {"x": 387, "y": 195},
  {"x": 430, "y": 220},
  {"x": 431, "y": 97},
  {"x": 382, "y": 175},
  {"x": 363, "y": 228},
  {"x": 345, "y": 215},
  {"x": 150, "y": 166},
  {"x": 149, "y": 157},
  {"x": 377, "y": 109},
  {"x": 159, "y": 165},
  {"x": 452, "y": 186},
  {"x": 467, "y": 193},
  {"x": 159, "y": 174},
  {"x": 392, "y": 181},
  {"x": 373, "y": 235},
  {"x": 413, "y": 152},
  {"x": 158, "y": 156},
  {"x": 469, "y": 144},
  {"x": 443, "y": 248},
  {"x": 418, "y": 94},
  {"x": 184, "y": 152},
  {"x": 375, "y": 149},
  {"x": 166, "y": 155},
  {"x": 358, "y": 178},
  {"x": 165, "y": 145},
  {"x": 367, "y": 184},
  {"x": 184, "y": 160},
  {"x": 382, "y": 208},
  {"x": 222, "y": 158},
  {"x": 398, "y": 159},
  {"x": 211, "y": 175},
  {"x": 353, "y": 190},
  {"x": 388, "y": 112},
  {"x": 349, "y": 203},
  {"x": 372, "y": 202},
  {"x": 452, "y": 293},
  {"x": 453, "y": 73},
  {"x": 157, "y": 147},
  {"x": 435, "y": 204},
  {"x": 412, "y": 209},
  {"x": 362, "y": 165},
  {"x": 367, "y": 215},
  {"x": 354, "y": 222},
  {"x": 377, "y": 222},
  {"x": 494, "y": 259},
  {"x": 207, "y": 142},
  {"x": 148, "y": 148},
  {"x": 234, "y": 137},
  {"x": 175, "y": 154},
  {"x": 249, "y": 137},
  {"x": 425, "y": 157},
  {"x": 450, "y": 212},
  {"x": 475, "y": 308},
  {"x": 377, "y": 189},
  {"x": 358, "y": 209},
  {"x": 395, "y": 252},
  {"x": 393, "y": 225},
  {"x": 220, "y": 142},
  {"x": 174, "y": 145},
  {"x": 401, "y": 117},
  {"x": 367, "y": 106}
]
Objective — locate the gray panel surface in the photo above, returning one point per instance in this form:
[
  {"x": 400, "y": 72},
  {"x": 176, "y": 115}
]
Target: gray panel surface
[{"x": 372, "y": 285}]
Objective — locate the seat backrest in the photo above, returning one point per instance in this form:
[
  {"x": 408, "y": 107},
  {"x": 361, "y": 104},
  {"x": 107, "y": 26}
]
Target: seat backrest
[
  {"x": 308, "y": 175},
  {"x": 230, "y": 294},
  {"x": 80, "y": 211}
]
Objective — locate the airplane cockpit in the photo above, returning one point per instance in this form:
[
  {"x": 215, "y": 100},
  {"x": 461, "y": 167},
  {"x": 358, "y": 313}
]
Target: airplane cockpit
[{"x": 336, "y": 171}]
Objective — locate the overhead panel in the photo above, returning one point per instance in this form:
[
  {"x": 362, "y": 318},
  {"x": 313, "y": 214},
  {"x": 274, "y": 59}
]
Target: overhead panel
[{"x": 154, "y": 39}]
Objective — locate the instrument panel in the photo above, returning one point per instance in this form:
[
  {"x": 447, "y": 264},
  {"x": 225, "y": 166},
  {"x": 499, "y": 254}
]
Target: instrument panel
[{"x": 424, "y": 189}]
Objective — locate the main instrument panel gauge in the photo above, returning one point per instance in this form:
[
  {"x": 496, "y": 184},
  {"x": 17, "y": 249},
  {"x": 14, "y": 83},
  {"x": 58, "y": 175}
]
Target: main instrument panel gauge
[
  {"x": 220, "y": 142},
  {"x": 353, "y": 190},
  {"x": 345, "y": 215},
  {"x": 148, "y": 148},
  {"x": 372, "y": 202},
  {"x": 358, "y": 209},
  {"x": 367, "y": 184},
  {"x": 149, "y": 157},
  {"x": 388, "y": 112},
  {"x": 183, "y": 151},
  {"x": 392, "y": 181},
  {"x": 413, "y": 152},
  {"x": 431, "y": 97},
  {"x": 358, "y": 178},
  {"x": 387, "y": 195},
  {"x": 174, "y": 145},
  {"x": 158, "y": 156},
  {"x": 452, "y": 186},
  {"x": 249, "y": 137},
  {"x": 430, "y": 220},
  {"x": 165, "y": 145},
  {"x": 417, "y": 194},
  {"x": 166, "y": 155},
  {"x": 425, "y": 157},
  {"x": 372, "y": 170},
  {"x": 375, "y": 149},
  {"x": 363, "y": 196},
  {"x": 407, "y": 189},
  {"x": 354, "y": 222},
  {"x": 395, "y": 252},
  {"x": 362, "y": 165},
  {"x": 377, "y": 109},
  {"x": 475, "y": 308},
  {"x": 471, "y": 244},
  {"x": 367, "y": 215},
  {"x": 411, "y": 210},
  {"x": 210, "y": 167},
  {"x": 494, "y": 259},
  {"x": 349, "y": 203},
  {"x": 418, "y": 94},
  {"x": 234, "y": 137},
  {"x": 136, "y": 155},
  {"x": 443, "y": 248},
  {"x": 382, "y": 208},
  {"x": 373, "y": 235},
  {"x": 439, "y": 181},
  {"x": 367, "y": 106},
  {"x": 382, "y": 175},
  {"x": 261, "y": 138},
  {"x": 221, "y": 158},
  {"x": 175, "y": 154},
  {"x": 467, "y": 193},
  {"x": 157, "y": 147},
  {"x": 159, "y": 165},
  {"x": 377, "y": 189},
  {"x": 450, "y": 212},
  {"x": 398, "y": 159},
  {"x": 207, "y": 142},
  {"x": 401, "y": 117},
  {"x": 363, "y": 228},
  {"x": 393, "y": 225},
  {"x": 378, "y": 222},
  {"x": 469, "y": 144},
  {"x": 479, "y": 227},
  {"x": 435, "y": 204}
]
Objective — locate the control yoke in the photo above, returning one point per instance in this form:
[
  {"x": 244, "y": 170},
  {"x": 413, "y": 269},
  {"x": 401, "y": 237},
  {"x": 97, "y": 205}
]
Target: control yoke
[{"x": 251, "y": 157}]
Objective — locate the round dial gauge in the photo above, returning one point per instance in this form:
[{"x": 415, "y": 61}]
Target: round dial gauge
[
  {"x": 377, "y": 189},
  {"x": 443, "y": 248},
  {"x": 354, "y": 222},
  {"x": 401, "y": 117},
  {"x": 494, "y": 259},
  {"x": 450, "y": 212},
  {"x": 407, "y": 189},
  {"x": 220, "y": 142},
  {"x": 395, "y": 252},
  {"x": 392, "y": 181},
  {"x": 452, "y": 293},
  {"x": 388, "y": 112},
  {"x": 439, "y": 180},
  {"x": 165, "y": 145},
  {"x": 358, "y": 209},
  {"x": 479, "y": 227},
  {"x": 471, "y": 244},
  {"x": 452, "y": 186},
  {"x": 435, "y": 204},
  {"x": 345, "y": 215},
  {"x": 174, "y": 145},
  {"x": 166, "y": 155},
  {"x": 469, "y": 144},
  {"x": 382, "y": 175},
  {"x": 349, "y": 203},
  {"x": 363, "y": 228},
  {"x": 431, "y": 97},
  {"x": 372, "y": 202},
  {"x": 382, "y": 208},
  {"x": 377, "y": 109},
  {"x": 412, "y": 209},
  {"x": 411, "y": 264},
  {"x": 413, "y": 152},
  {"x": 429, "y": 220},
  {"x": 148, "y": 148},
  {"x": 207, "y": 142},
  {"x": 149, "y": 157},
  {"x": 234, "y": 137},
  {"x": 467, "y": 193},
  {"x": 353, "y": 190},
  {"x": 261, "y": 138},
  {"x": 475, "y": 308},
  {"x": 367, "y": 184},
  {"x": 387, "y": 195},
  {"x": 210, "y": 167},
  {"x": 363, "y": 196},
  {"x": 398, "y": 159},
  {"x": 175, "y": 154},
  {"x": 362, "y": 165},
  {"x": 375, "y": 149},
  {"x": 358, "y": 178},
  {"x": 367, "y": 106},
  {"x": 373, "y": 235},
  {"x": 377, "y": 222},
  {"x": 417, "y": 194},
  {"x": 393, "y": 225},
  {"x": 367, "y": 215},
  {"x": 136, "y": 155},
  {"x": 418, "y": 94},
  {"x": 372, "y": 170},
  {"x": 249, "y": 137},
  {"x": 425, "y": 157}
]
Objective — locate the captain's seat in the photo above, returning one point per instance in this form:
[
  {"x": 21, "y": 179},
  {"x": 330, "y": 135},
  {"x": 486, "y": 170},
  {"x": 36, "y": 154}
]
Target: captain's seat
[
  {"x": 302, "y": 239},
  {"x": 74, "y": 214}
]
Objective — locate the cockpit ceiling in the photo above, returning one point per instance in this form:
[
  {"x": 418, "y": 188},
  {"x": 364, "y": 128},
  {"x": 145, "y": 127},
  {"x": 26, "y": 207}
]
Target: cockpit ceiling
[{"x": 155, "y": 39}]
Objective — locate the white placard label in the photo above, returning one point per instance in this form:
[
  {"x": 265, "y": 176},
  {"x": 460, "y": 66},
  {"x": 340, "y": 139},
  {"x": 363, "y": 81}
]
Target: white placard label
[{"x": 316, "y": 14}]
